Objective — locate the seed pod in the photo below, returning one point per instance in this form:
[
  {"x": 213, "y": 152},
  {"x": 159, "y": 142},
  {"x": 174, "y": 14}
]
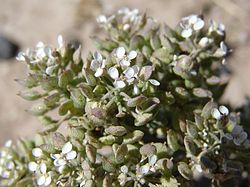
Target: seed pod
[
  {"x": 191, "y": 129},
  {"x": 89, "y": 183},
  {"x": 58, "y": 140},
  {"x": 90, "y": 79},
  {"x": 108, "y": 140},
  {"x": 46, "y": 120},
  {"x": 65, "y": 78},
  {"x": 202, "y": 93},
  {"x": 116, "y": 130},
  {"x": 52, "y": 99},
  {"x": 49, "y": 148},
  {"x": 137, "y": 101},
  {"x": 169, "y": 99},
  {"x": 172, "y": 140},
  {"x": 91, "y": 153},
  {"x": 120, "y": 152},
  {"x": 213, "y": 80},
  {"x": 107, "y": 182},
  {"x": 38, "y": 109},
  {"x": 108, "y": 165},
  {"x": 185, "y": 62},
  {"x": 29, "y": 95},
  {"x": 163, "y": 54},
  {"x": 146, "y": 51},
  {"x": 133, "y": 137},
  {"x": 166, "y": 165},
  {"x": 77, "y": 132},
  {"x": 148, "y": 150},
  {"x": 142, "y": 119},
  {"x": 189, "y": 145},
  {"x": 206, "y": 111},
  {"x": 155, "y": 40},
  {"x": 49, "y": 83},
  {"x": 207, "y": 163},
  {"x": 146, "y": 73},
  {"x": 50, "y": 128},
  {"x": 198, "y": 121},
  {"x": 77, "y": 97},
  {"x": 65, "y": 107},
  {"x": 30, "y": 82},
  {"x": 86, "y": 90},
  {"x": 136, "y": 42},
  {"x": 182, "y": 92},
  {"x": 185, "y": 171}
]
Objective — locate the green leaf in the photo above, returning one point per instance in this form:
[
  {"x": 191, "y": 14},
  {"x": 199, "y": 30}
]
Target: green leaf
[{"x": 163, "y": 54}]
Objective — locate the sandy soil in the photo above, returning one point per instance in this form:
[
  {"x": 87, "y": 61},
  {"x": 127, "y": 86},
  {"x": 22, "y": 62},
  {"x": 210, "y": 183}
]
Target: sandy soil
[{"x": 30, "y": 21}]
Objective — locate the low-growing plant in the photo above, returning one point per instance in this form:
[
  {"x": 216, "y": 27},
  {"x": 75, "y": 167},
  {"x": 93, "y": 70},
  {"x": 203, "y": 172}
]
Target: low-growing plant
[{"x": 140, "y": 111}]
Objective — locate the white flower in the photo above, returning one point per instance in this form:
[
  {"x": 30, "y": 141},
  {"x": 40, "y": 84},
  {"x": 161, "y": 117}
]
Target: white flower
[
  {"x": 191, "y": 24},
  {"x": 204, "y": 42},
  {"x": 222, "y": 51},
  {"x": 67, "y": 154},
  {"x": 154, "y": 82},
  {"x": 102, "y": 19},
  {"x": 98, "y": 64},
  {"x": 37, "y": 152},
  {"x": 124, "y": 177},
  {"x": 215, "y": 27},
  {"x": 113, "y": 73},
  {"x": 219, "y": 113},
  {"x": 122, "y": 58},
  {"x": 60, "y": 41},
  {"x": 238, "y": 135},
  {"x": 43, "y": 178},
  {"x": 150, "y": 166}
]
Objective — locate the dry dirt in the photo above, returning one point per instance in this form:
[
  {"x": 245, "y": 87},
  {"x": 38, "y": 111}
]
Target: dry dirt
[{"x": 30, "y": 21}]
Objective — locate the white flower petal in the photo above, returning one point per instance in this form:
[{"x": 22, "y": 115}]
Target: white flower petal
[
  {"x": 192, "y": 19},
  {"x": 48, "y": 181},
  {"x": 8, "y": 143},
  {"x": 154, "y": 82},
  {"x": 199, "y": 24},
  {"x": 71, "y": 155},
  {"x": 97, "y": 56},
  {"x": 126, "y": 27},
  {"x": 186, "y": 33},
  {"x": 216, "y": 113},
  {"x": 136, "y": 90},
  {"x": 152, "y": 160},
  {"x": 223, "y": 47},
  {"x": 204, "y": 42},
  {"x": 60, "y": 41},
  {"x": 67, "y": 148},
  {"x": 129, "y": 73},
  {"x": 41, "y": 180},
  {"x": 55, "y": 156},
  {"x": 132, "y": 55},
  {"x": 32, "y": 166},
  {"x": 20, "y": 57},
  {"x": 124, "y": 62},
  {"x": 37, "y": 152},
  {"x": 113, "y": 73},
  {"x": 43, "y": 168},
  {"x": 144, "y": 169},
  {"x": 124, "y": 169},
  {"x": 136, "y": 69},
  {"x": 120, "y": 52},
  {"x": 59, "y": 162},
  {"x": 99, "y": 72},
  {"x": 40, "y": 45},
  {"x": 101, "y": 19},
  {"x": 94, "y": 65},
  {"x": 224, "y": 110},
  {"x": 119, "y": 84},
  {"x": 237, "y": 130}
]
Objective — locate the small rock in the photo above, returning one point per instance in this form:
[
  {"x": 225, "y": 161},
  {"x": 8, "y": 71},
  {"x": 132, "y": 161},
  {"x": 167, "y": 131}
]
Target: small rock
[{"x": 8, "y": 49}]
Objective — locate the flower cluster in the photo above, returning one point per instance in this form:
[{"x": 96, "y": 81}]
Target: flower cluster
[{"x": 140, "y": 111}]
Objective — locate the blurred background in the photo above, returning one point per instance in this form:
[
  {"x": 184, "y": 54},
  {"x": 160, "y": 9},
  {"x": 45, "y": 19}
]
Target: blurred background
[{"x": 23, "y": 23}]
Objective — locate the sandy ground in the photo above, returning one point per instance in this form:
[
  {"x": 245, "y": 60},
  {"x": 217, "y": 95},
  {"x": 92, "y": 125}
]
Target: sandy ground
[{"x": 30, "y": 21}]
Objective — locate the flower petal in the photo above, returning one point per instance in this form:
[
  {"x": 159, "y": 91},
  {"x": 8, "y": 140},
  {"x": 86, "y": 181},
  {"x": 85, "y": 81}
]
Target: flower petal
[
  {"x": 43, "y": 168},
  {"x": 129, "y": 73},
  {"x": 41, "y": 180},
  {"x": 119, "y": 84},
  {"x": 216, "y": 113},
  {"x": 120, "y": 52},
  {"x": 32, "y": 166},
  {"x": 37, "y": 152},
  {"x": 71, "y": 155},
  {"x": 124, "y": 62},
  {"x": 97, "y": 56},
  {"x": 48, "y": 181},
  {"x": 113, "y": 73},
  {"x": 99, "y": 72},
  {"x": 199, "y": 24},
  {"x": 186, "y": 33},
  {"x": 132, "y": 55},
  {"x": 154, "y": 82},
  {"x": 224, "y": 110},
  {"x": 67, "y": 148}
]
